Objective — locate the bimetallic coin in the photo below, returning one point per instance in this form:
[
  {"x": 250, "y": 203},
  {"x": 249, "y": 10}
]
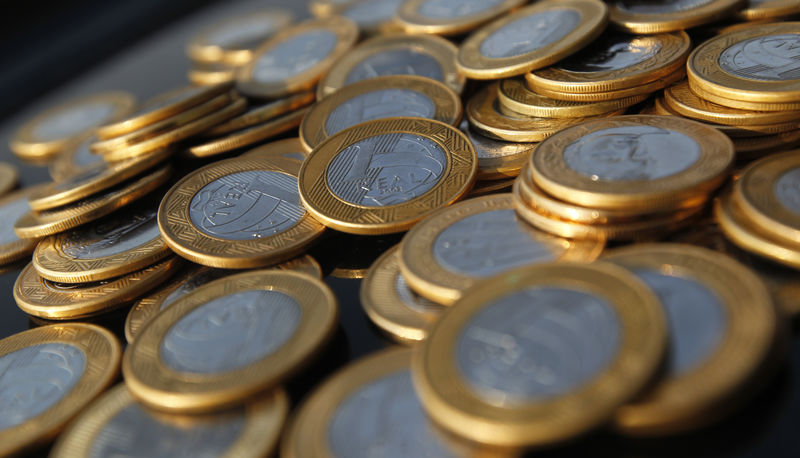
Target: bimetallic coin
[
  {"x": 644, "y": 88},
  {"x": 228, "y": 340},
  {"x": 757, "y": 10},
  {"x": 420, "y": 55},
  {"x": 646, "y": 16},
  {"x": 291, "y": 148},
  {"x": 540, "y": 354},
  {"x": 451, "y": 17},
  {"x": 533, "y": 37},
  {"x": 384, "y": 176},
  {"x": 259, "y": 114},
  {"x": 72, "y": 159},
  {"x": 722, "y": 326},
  {"x": 12, "y": 207},
  {"x": 497, "y": 160},
  {"x": 379, "y": 98},
  {"x": 742, "y": 104},
  {"x": 48, "y": 375},
  {"x": 296, "y": 58}
]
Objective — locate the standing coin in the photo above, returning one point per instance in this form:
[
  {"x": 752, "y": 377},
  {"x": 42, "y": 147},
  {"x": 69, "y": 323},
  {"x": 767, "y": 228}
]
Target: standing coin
[
  {"x": 451, "y": 17},
  {"x": 645, "y": 16}
]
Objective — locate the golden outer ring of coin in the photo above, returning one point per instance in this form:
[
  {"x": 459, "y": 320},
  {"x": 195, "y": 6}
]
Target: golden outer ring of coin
[
  {"x": 145, "y": 116},
  {"x": 452, "y": 404},
  {"x": 289, "y": 148},
  {"x": 645, "y": 88},
  {"x": 21, "y": 248},
  {"x": 263, "y": 113},
  {"x": 552, "y": 174},
  {"x": 264, "y": 419},
  {"x": 48, "y": 222},
  {"x": 201, "y": 49},
  {"x": 516, "y": 96},
  {"x": 36, "y": 297},
  {"x": 210, "y": 74},
  {"x": 431, "y": 280},
  {"x": 412, "y": 21},
  {"x": 742, "y": 104},
  {"x": 54, "y": 195},
  {"x": 672, "y": 56},
  {"x": 386, "y": 309},
  {"x": 443, "y": 51},
  {"x": 249, "y": 135},
  {"x": 8, "y": 177},
  {"x": 705, "y": 72},
  {"x": 102, "y": 351},
  {"x": 447, "y": 103},
  {"x": 456, "y": 180},
  {"x": 154, "y": 383},
  {"x": 26, "y": 145},
  {"x": 191, "y": 243},
  {"x": 769, "y": 9},
  {"x": 662, "y": 107},
  {"x": 686, "y": 401},
  {"x": 678, "y": 20},
  {"x": 346, "y": 32},
  {"x": 747, "y": 148},
  {"x": 593, "y": 19}
]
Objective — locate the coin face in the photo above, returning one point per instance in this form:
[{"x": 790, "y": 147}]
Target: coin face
[
  {"x": 767, "y": 58},
  {"x": 450, "y": 17},
  {"x": 642, "y": 16}
]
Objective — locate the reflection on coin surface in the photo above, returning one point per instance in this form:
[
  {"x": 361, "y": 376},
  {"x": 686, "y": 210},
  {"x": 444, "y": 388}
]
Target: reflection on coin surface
[
  {"x": 450, "y": 17},
  {"x": 767, "y": 58},
  {"x": 645, "y": 16}
]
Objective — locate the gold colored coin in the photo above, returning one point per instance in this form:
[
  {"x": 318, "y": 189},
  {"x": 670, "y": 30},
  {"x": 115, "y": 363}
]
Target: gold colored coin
[
  {"x": 458, "y": 246},
  {"x": 628, "y": 171},
  {"x": 263, "y": 221},
  {"x": 52, "y": 131},
  {"x": 325, "y": 8},
  {"x": 644, "y": 88},
  {"x": 209, "y": 74},
  {"x": 291, "y": 148},
  {"x": 421, "y": 55},
  {"x": 48, "y": 222},
  {"x": 755, "y": 147},
  {"x": 384, "y": 176},
  {"x": 471, "y": 388},
  {"x": 722, "y": 328},
  {"x": 68, "y": 301},
  {"x": 649, "y": 18},
  {"x": 176, "y": 364},
  {"x": 53, "y": 372},
  {"x": 742, "y": 104},
  {"x": 456, "y": 18},
  {"x": 497, "y": 160},
  {"x": 482, "y": 188},
  {"x": 378, "y": 98},
  {"x": 506, "y": 46},
  {"x": 768, "y": 9},
  {"x": 662, "y": 107},
  {"x": 262, "y": 113},
  {"x": 232, "y": 41},
  {"x": 295, "y": 58},
  {"x": 74, "y": 158},
  {"x": 12, "y": 207}
]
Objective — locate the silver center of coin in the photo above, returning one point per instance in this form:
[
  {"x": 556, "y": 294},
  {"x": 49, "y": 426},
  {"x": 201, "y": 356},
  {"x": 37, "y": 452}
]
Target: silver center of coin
[
  {"x": 768, "y": 58},
  {"x": 386, "y": 169},
  {"x": 112, "y": 235},
  {"x": 632, "y": 153},
  {"x": 396, "y": 62},
  {"x": 35, "y": 378},
  {"x": 379, "y": 104},
  {"x": 373, "y": 12},
  {"x": 787, "y": 189},
  {"x": 83, "y": 156},
  {"x": 536, "y": 344},
  {"x": 10, "y": 213},
  {"x": 231, "y": 332},
  {"x": 489, "y": 243},
  {"x": 194, "y": 281},
  {"x": 294, "y": 56},
  {"x": 488, "y": 148},
  {"x": 613, "y": 52},
  {"x": 134, "y": 431},
  {"x": 73, "y": 121},
  {"x": 384, "y": 418},
  {"x": 247, "y": 205},
  {"x": 659, "y": 6},
  {"x": 454, "y": 9},
  {"x": 245, "y": 33},
  {"x": 529, "y": 33},
  {"x": 412, "y": 300},
  {"x": 695, "y": 316}
]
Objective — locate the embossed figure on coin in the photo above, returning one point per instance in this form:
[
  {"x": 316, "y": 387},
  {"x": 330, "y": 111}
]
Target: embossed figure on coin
[
  {"x": 413, "y": 300},
  {"x": 659, "y": 6},
  {"x": 385, "y": 418},
  {"x": 230, "y": 332},
  {"x": 247, "y": 205},
  {"x": 396, "y": 62},
  {"x": 387, "y": 169},
  {"x": 768, "y": 58},
  {"x": 294, "y": 56},
  {"x": 112, "y": 235},
  {"x": 537, "y": 343},
  {"x": 451, "y": 9},
  {"x": 73, "y": 121},
  {"x": 379, "y": 104},
  {"x": 489, "y": 243},
  {"x": 11, "y": 212},
  {"x": 133, "y": 431},
  {"x": 632, "y": 153},
  {"x": 613, "y": 52},
  {"x": 530, "y": 33},
  {"x": 787, "y": 188},
  {"x": 35, "y": 378}
]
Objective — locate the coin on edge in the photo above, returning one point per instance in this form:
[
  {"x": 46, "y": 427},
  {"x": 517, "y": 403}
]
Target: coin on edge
[
  {"x": 586, "y": 339},
  {"x": 451, "y": 17},
  {"x": 49, "y": 375},
  {"x": 291, "y": 148},
  {"x": 658, "y": 17}
]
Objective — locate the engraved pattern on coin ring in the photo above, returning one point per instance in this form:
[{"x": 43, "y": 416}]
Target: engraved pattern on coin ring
[{"x": 530, "y": 33}]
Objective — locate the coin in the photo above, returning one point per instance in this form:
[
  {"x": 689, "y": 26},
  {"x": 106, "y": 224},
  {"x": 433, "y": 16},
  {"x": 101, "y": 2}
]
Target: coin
[
  {"x": 482, "y": 188},
  {"x": 370, "y": 405},
  {"x": 644, "y": 16},
  {"x": 497, "y": 160},
  {"x": 742, "y": 104},
  {"x": 378, "y": 98},
  {"x": 754, "y": 147},
  {"x": 722, "y": 325},
  {"x": 325, "y": 8},
  {"x": 372, "y": 16},
  {"x": 49, "y": 375},
  {"x": 48, "y": 222},
  {"x": 455, "y": 248},
  {"x": 259, "y": 114},
  {"x": 50, "y": 132},
  {"x": 451, "y": 17},
  {"x": 291, "y": 148},
  {"x": 233, "y": 40},
  {"x": 768, "y": 9},
  {"x": 615, "y": 61},
  {"x": 384, "y": 176},
  {"x": 117, "y": 425},
  {"x": 421, "y": 55},
  {"x": 203, "y": 74},
  {"x": 12, "y": 207},
  {"x": 654, "y": 162},
  {"x": 533, "y": 37},
  {"x": 644, "y": 88},
  {"x": 72, "y": 159},
  {"x": 295, "y": 59},
  {"x": 540, "y": 354},
  {"x": 229, "y": 340}
]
